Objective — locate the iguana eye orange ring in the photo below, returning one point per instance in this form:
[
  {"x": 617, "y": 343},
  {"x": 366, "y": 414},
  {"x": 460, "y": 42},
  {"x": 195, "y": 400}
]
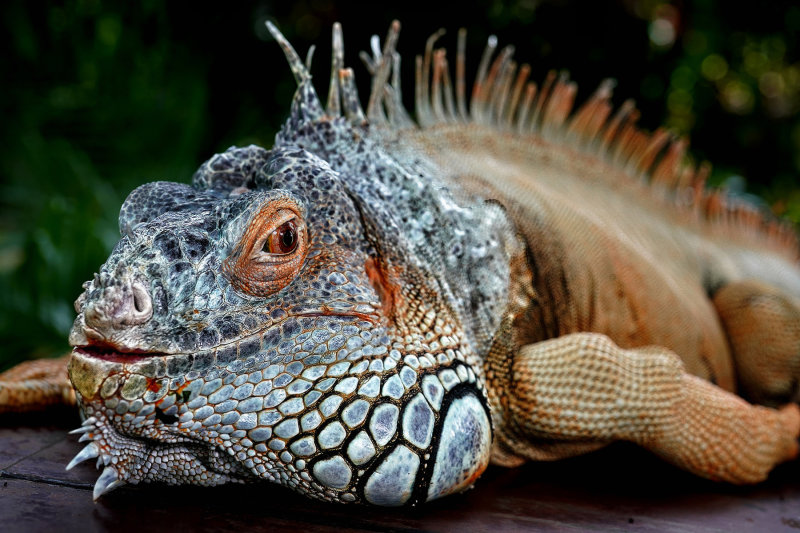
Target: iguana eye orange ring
[{"x": 271, "y": 251}]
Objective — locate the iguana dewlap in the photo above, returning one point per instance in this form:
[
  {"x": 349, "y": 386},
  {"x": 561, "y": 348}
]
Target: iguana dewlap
[{"x": 372, "y": 310}]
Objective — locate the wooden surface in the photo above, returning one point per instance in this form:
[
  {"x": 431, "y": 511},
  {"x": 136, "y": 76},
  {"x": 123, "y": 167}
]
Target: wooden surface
[{"x": 618, "y": 489}]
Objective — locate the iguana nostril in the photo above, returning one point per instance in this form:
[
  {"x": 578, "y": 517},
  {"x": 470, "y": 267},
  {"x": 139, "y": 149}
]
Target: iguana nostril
[
  {"x": 138, "y": 304},
  {"x": 142, "y": 304},
  {"x": 117, "y": 307}
]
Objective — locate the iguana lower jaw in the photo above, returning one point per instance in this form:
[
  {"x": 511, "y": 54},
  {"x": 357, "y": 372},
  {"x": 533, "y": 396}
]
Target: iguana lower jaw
[
  {"x": 127, "y": 460},
  {"x": 392, "y": 430}
]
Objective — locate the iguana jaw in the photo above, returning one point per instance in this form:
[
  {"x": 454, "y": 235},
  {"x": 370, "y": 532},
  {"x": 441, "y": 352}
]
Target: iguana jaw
[
  {"x": 144, "y": 409},
  {"x": 143, "y": 446}
]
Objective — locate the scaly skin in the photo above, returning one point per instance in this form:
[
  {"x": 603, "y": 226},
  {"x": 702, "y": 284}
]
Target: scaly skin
[
  {"x": 370, "y": 311},
  {"x": 35, "y": 385}
]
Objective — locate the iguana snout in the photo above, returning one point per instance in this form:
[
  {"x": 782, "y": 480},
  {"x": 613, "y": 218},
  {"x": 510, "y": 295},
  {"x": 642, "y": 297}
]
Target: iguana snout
[{"x": 115, "y": 307}]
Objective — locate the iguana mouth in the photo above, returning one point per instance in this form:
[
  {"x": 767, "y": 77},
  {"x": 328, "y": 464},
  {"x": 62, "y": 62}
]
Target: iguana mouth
[{"x": 106, "y": 352}]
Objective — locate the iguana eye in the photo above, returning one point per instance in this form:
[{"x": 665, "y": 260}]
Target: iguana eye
[
  {"x": 283, "y": 240},
  {"x": 271, "y": 251}
]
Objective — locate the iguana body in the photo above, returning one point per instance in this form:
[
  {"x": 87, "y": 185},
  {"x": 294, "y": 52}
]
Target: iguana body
[{"x": 370, "y": 310}]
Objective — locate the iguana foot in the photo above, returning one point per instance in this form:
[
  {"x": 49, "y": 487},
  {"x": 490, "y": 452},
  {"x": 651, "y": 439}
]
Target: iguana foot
[
  {"x": 35, "y": 386},
  {"x": 722, "y": 437}
]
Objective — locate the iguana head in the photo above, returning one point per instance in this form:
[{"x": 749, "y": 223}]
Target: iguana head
[{"x": 308, "y": 315}]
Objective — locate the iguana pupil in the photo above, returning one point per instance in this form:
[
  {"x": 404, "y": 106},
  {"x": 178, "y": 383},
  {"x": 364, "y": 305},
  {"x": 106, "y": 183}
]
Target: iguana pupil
[
  {"x": 283, "y": 240},
  {"x": 287, "y": 237}
]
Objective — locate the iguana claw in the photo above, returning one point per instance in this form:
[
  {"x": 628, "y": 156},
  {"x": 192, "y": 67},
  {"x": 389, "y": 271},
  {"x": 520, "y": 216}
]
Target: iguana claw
[
  {"x": 89, "y": 452},
  {"x": 108, "y": 481}
]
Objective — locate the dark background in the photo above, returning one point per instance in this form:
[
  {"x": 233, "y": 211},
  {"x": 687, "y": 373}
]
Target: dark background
[{"x": 98, "y": 97}]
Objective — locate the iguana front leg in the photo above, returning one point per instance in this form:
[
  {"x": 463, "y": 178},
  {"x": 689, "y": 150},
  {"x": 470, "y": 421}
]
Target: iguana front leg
[
  {"x": 36, "y": 385},
  {"x": 581, "y": 390}
]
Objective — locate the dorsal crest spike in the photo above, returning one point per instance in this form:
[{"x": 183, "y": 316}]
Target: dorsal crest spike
[
  {"x": 478, "y": 97},
  {"x": 301, "y": 74},
  {"x": 443, "y": 107},
  {"x": 658, "y": 140},
  {"x": 587, "y": 121},
  {"x": 559, "y": 105},
  {"x": 494, "y": 88},
  {"x": 523, "y": 123},
  {"x": 544, "y": 95},
  {"x": 383, "y": 67},
  {"x": 310, "y": 56},
  {"x": 461, "y": 83},
  {"x": 424, "y": 104},
  {"x": 397, "y": 113},
  {"x": 519, "y": 84},
  {"x": 375, "y": 46},
  {"x": 368, "y": 61},
  {"x": 350, "y": 102},
  {"x": 306, "y": 105},
  {"x": 437, "y": 106},
  {"x": 333, "y": 107}
]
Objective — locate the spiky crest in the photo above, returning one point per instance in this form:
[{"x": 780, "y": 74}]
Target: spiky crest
[{"x": 503, "y": 98}]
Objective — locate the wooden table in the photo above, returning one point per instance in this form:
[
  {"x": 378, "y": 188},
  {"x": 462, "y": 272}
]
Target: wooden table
[{"x": 618, "y": 489}]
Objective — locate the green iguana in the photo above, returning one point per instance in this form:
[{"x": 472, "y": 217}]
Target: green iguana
[{"x": 374, "y": 309}]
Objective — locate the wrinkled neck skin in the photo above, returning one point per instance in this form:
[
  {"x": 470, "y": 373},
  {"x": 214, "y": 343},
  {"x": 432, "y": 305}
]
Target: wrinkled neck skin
[{"x": 349, "y": 368}]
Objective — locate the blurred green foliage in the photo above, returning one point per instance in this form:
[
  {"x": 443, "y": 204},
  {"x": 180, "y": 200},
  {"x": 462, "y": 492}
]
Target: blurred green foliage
[{"x": 99, "y": 97}]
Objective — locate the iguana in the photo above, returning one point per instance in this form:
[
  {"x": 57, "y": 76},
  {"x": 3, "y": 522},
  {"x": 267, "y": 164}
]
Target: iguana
[{"x": 374, "y": 309}]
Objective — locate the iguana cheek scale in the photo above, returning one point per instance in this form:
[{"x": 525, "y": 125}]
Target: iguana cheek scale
[{"x": 371, "y": 310}]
